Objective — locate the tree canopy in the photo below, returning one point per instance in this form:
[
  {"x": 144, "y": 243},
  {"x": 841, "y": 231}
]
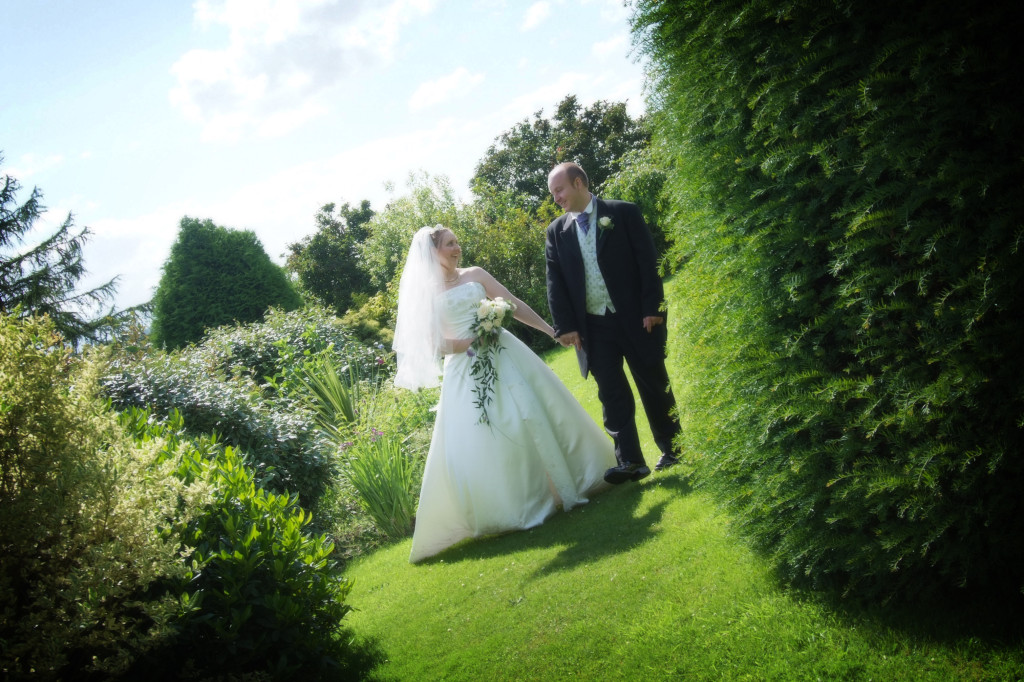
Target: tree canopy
[
  {"x": 596, "y": 137},
  {"x": 42, "y": 279},
  {"x": 327, "y": 262},
  {"x": 215, "y": 276}
]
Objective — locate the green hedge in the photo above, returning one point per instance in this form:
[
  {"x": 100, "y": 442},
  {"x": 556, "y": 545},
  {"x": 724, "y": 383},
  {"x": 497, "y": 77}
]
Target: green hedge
[{"x": 847, "y": 223}]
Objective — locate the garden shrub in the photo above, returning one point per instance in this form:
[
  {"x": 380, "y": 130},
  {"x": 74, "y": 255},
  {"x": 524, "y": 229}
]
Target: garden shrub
[
  {"x": 80, "y": 504},
  {"x": 235, "y": 384},
  {"x": 263, "y": 594},
  {"x": 847, "y": 216},
  {"x": 263, "y": 350},
  {"x": 260, "y": 595},
  {"x": 385, "y": 478}
]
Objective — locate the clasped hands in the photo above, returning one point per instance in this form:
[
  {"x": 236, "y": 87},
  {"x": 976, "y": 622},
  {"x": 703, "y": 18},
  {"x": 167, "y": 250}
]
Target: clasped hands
[{"x": 574, "y": 339}]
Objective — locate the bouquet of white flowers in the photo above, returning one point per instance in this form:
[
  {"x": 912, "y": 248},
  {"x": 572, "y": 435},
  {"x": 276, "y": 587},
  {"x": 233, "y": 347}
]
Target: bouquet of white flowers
[{"x": 491, "y": 316}]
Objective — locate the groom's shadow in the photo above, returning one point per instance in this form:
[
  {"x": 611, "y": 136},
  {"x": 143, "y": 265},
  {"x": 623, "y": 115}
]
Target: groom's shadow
[{"x": 609, "y": 524}]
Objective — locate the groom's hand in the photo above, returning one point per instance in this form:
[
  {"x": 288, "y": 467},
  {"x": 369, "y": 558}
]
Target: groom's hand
[
  {"x": 651, "y": 321},
  {"x": 570, "y": 339}
]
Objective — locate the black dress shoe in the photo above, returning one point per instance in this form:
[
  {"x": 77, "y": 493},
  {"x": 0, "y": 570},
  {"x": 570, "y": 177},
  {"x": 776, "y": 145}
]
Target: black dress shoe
[
  {"x": 630, "y": 471},
  {"x": 667, "y": 460}
]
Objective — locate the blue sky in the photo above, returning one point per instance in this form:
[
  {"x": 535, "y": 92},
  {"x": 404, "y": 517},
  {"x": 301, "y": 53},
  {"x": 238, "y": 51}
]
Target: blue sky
[{"x": 255, "y": 113}]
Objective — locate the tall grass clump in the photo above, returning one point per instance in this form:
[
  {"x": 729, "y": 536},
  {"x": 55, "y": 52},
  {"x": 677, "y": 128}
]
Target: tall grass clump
[
  {"x": 847, "y": 234},
  {"x": 385, "y": 478},
  {"x": 378, "y": 435}
]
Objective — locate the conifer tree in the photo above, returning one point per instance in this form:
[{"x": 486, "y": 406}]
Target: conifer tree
[
  {"x": 215, "y": 276},
  {"x": 42, "y": 279}
]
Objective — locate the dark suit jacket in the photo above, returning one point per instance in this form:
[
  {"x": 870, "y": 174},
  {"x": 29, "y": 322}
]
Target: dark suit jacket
[{"x": 626, "y": 256}]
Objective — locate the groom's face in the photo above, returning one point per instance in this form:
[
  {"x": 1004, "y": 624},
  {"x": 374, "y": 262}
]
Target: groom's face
[{"x": 570, "y": 196}]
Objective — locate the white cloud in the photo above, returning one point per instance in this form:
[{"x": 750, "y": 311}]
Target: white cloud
[
  {"x": 457, "y": 83},
  {"x": 280, "y": 57},
  {"x": 535, "y": 15},
  {"x": 613, "y": 47},
  {"x": 32, "y": 164},
  {"x": 615, "y": 12},
  {"x": 137, "y": 247}
]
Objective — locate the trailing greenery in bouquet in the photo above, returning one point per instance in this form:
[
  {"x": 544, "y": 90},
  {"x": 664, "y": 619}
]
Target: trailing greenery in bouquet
[{"x": 491, "y": 317}]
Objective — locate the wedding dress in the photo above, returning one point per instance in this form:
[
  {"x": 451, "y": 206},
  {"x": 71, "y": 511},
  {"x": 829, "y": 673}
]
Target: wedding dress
[{"x": 540, "y": 451}]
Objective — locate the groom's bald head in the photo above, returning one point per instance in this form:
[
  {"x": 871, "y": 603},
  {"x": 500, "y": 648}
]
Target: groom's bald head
[
  {"x": 572, "y": 172},
  {"x": 569, "y": 187}
]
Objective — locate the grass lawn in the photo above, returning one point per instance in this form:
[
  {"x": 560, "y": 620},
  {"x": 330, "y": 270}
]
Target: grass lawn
[{"x": 647, "y": 582}]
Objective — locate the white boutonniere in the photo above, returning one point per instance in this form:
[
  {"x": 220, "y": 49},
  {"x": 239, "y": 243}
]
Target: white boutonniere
[{"x": 605, "y": 223}]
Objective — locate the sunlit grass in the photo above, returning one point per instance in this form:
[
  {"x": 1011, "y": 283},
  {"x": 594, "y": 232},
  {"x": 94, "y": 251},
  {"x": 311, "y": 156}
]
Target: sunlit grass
[{"x": 644, "y": 582}]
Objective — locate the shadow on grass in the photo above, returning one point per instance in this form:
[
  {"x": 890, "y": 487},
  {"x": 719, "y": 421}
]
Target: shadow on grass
[
  {"x": 611, "y": 523},
  {"x": 973, "y": 621}
]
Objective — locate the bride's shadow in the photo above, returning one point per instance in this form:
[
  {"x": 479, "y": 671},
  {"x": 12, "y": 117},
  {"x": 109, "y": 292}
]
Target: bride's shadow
[{"x": 609, "y": 524}]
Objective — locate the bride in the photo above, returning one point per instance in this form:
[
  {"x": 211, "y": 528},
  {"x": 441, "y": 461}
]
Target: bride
[{"x": 537, "y": 450}]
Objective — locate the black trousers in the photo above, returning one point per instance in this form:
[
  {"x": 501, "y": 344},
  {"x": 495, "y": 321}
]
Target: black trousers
[{"x": 608, "y": 346}]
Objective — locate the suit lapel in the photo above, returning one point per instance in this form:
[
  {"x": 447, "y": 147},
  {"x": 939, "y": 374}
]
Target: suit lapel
[
  {"x": 601, "y": 209},
  {"x": 570, "y": 241}
]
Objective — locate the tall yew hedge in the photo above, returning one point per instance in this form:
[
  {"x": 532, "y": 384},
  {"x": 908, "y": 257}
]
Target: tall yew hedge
[{"x": 847, "y": 183}]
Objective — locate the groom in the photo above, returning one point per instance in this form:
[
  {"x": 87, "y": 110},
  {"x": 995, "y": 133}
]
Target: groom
[{"x": 607, "y": 301}]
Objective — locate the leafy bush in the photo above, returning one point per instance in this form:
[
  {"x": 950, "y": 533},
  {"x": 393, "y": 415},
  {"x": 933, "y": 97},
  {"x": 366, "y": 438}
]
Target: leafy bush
[
  {"x": 234, "y": 384},
  {"x": 79, "y": 507},
  {"x": 264, "y": 595},
  {"x": 385, "y": 479},
  {"x": 260, "y": 596},
  {"x": 847, "y": 203},
  {"x": 277, "y": 434},
  {"x": 372, "y": 318},
  {"x": 265, "y": 350}
]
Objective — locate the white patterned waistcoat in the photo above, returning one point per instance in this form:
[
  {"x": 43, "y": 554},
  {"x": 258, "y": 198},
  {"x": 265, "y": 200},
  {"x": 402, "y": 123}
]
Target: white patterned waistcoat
[{"x": 597, "y": 291}]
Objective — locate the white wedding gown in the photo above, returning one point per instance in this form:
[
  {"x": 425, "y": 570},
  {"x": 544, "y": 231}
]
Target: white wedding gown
[{"x": 541, "y": 449}]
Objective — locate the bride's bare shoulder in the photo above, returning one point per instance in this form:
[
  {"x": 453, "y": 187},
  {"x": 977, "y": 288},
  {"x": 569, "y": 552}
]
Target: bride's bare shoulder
[{"x": 475, "y": 273}]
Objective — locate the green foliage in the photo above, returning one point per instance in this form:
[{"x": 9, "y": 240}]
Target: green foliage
[
  {"x": 260, "y": 595},
  {"x": 596, "y": 137},
  {"x": 41, "y": 280},
  {"x": 372, "y": 318},
  {"x": 641, "y": 180},
  {"x": 327, "y": 262},
  {"x": 80, "y": 504},
  {"x": 235, "y": 384},
  {"x": 430, "y": 201},
  {"x": 215, "y": 276},
  {"x": 847, "y": 204},
  {"x": 333, "y": 398},
  {"x": 399, "y": 417},
  {"x": 385, "y": 478},
  {"x": 263, "y": 594},
  {"x": 349, "y": 410}
]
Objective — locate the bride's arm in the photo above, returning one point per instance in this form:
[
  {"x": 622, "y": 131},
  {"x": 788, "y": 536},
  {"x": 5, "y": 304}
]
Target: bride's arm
[
  {"x": 453, "y": 346},
  {"x": 523, "y": 312}
]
